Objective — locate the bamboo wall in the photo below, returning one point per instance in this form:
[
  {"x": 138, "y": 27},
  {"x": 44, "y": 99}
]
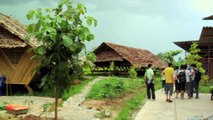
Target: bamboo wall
[{"x": 20, "y": 73}]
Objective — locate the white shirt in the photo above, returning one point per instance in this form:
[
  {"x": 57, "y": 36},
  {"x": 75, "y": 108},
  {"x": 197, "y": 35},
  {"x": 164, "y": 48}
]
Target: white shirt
[{"x": 187, "y": 75}]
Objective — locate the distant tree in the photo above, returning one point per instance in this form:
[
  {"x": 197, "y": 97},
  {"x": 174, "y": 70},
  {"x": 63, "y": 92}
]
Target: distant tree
[
  {"x": 132, "y": 72},
  {"x": 88, "y": 62},
  {"x": 169, "y": 56},
  {"x": 192, "y": 57},
  {"x": 61, "y": 32}
]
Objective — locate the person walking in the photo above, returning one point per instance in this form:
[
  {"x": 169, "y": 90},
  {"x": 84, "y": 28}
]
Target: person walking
[
  {"x": 177, "y": 82},
  {"x": 188, "y": 81},
  {"x": 168, "y": 72},
  {"x": 163, "y": 79},
  {"x": 195, "y": 77},
  {"x": 149, "y": 79},
  {"x": 182, "y": 80}
]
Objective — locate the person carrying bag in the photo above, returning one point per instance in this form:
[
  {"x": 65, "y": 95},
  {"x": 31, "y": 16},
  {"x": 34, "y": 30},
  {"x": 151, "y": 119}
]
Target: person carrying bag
[{"x": 149, "y": 80}]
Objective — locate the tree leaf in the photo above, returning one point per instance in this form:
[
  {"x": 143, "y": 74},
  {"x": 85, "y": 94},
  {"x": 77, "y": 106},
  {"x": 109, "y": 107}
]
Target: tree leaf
[
  {"x": 90, "y": 37},
  {"x": 41, "y": 50},
  {"x": 37, "y": 26},
  {"x": 52, "y": 32},
  {"x": 30, "y": 14},
  {"x": 30, "y": 28},
  {"x": 89, "y": 21},
  {"x": 67, "y": 40},
  {"x": 43, "y": 81}
]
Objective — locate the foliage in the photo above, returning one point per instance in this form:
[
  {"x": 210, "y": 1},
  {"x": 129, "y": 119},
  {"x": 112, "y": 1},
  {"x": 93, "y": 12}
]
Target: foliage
[
  {"x": 168, "y": 57},
  {"x": 2, "y": 105},
  {"x": 61, "y": 34},
  {"x": 46, "y": 107},
  {"x": 112, "y": 87},
  {"x": 111, "y": 67},
  {"x": 132, "y": 72},
  {"x": 88, "y": 62},
  {"x": 193, "y": 57},
  {"x": 211, "y": 89},
  {"x": 108, "y": 88}
]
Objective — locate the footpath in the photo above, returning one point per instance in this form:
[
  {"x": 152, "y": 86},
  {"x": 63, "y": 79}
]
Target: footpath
[{"x": 179, "y": 109}]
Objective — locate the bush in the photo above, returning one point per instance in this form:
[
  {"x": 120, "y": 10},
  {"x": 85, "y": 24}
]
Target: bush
[
  {"x": 132, "y": 72},
  {"x": 211, "y": 89},
  {"x": 107, "y": 89}
]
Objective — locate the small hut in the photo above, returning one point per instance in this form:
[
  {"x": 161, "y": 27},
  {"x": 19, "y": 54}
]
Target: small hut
[
  {"x": 15, "y": 61},
  {"x": 123, "y": 58}
]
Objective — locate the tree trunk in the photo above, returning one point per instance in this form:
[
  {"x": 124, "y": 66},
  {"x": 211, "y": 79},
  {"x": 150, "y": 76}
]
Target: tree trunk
[{"x": 56, "y": 103}]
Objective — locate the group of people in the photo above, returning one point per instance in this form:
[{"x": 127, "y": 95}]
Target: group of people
[{"x": 184, "y": 78}]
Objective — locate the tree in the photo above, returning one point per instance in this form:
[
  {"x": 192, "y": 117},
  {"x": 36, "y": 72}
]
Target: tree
[
  {"x": 168, "y": 57},
  {"x": 193, "y": 57},
  {"x": 88, "y": 62},
  {"x": 61, "y": 33}
]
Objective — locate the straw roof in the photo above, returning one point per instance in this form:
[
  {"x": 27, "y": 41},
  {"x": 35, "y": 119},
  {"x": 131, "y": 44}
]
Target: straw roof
[
  {"x": 16, "y": 29},
  {"x": 135, "y": 56}
]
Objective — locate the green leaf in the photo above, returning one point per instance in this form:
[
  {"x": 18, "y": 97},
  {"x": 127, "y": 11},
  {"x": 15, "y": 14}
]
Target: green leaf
[
  {"x": 41, "y": 50},
  {"x": 27, "y": 38},
  {"x": 37, "y": 26},
  {"x": 81, "y": 8},
  {"x": 76, "y": 47},
  {"x": 47, "y": 61},
  {"x": 67, "y": 40},
  {"x": 43, "y": 81},
  {"x": 38, "y": 13},
  {"x": 52, "y": 32},
  {"x": 30, "y": 28},
  {"x": 90, "y": 37},
  {"x": 95, "y": 22},
  {"x": 30, "y": 14},
  {"x": 89, "y": 21}
]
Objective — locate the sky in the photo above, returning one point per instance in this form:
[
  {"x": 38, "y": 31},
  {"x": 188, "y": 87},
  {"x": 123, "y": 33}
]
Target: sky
[{"x": 146, "y": 24}]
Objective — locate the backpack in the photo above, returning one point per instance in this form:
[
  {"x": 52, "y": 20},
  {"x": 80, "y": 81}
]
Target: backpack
[
  {"x": 197, "y": 75},
  {"x": 182, "y": 76}
]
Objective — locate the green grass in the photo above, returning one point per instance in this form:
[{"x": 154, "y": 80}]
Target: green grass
[
  {"x": 134, "y": 103},
  {"x": 136, "y": 87},
  {"x": 205, "y": 87},
  {"x": 113, "y": 87},
  {"x": 130, "y": 106}
]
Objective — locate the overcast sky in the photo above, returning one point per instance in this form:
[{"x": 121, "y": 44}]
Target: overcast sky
[{"x": 147, "y": 24}]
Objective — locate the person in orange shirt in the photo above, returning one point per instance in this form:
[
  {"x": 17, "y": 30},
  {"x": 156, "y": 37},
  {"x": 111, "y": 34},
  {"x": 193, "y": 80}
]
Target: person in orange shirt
[{"x": 168, "y": 72}]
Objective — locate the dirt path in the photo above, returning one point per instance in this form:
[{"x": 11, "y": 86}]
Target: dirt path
[{"x": 71, "y": 110}]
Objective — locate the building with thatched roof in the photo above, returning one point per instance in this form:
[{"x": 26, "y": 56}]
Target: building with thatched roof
[
  {"x": 124, "y": 57},
  {"x": 205, "y": 44},
  {"x": 15, "y": 60}
]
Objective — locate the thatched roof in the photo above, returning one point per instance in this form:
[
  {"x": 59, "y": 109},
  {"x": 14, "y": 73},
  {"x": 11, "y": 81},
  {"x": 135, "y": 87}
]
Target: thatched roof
[
  {"x": 137, "y": 57},
  {"x": 16, "y": 29}
]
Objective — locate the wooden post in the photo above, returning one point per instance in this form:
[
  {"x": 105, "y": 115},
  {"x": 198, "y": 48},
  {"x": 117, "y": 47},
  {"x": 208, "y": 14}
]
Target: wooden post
[
  {"x": 30, "y": 90},
  {"x": 209, "y": 60}
]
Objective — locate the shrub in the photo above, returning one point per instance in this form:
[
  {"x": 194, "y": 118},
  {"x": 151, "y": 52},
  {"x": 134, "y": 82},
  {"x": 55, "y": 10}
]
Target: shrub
[
  {"x": 211, "y": 89},
  {"x": 132, "y": 72},
  {"x": 108, "y": 88}
]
